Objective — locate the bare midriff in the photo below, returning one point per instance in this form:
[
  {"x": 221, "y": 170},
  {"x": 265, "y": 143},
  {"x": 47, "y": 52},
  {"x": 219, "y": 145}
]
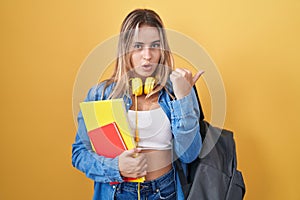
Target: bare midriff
[{"x": 158, "y": 163}]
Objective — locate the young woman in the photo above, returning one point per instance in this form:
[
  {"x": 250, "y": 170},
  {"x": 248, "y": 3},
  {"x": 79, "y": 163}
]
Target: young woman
[{"x": 167, "y": 117}]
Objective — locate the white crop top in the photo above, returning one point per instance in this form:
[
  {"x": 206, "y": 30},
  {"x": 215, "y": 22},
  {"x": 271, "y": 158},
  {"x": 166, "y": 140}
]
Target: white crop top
[{"x": 154, "y": 129}]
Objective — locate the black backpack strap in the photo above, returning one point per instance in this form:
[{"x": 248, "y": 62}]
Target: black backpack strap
[
  {"x": 185, "y": 186},
  {"x": 199, "y": 104}
]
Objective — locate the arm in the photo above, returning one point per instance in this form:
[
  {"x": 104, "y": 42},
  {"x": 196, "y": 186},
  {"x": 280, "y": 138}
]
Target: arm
[
  {"x": 100, "y": 168},
  {"x": 185, "y": 115},
  {"x": 96, "y": 167},
  {"x": 185, "y": 127}
]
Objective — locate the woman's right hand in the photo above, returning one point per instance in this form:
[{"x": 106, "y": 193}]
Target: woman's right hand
[{"x": 132, "y": 163}]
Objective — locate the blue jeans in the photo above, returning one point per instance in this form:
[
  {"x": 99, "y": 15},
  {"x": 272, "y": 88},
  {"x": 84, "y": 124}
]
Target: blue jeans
[{"x": 163, "y": 187}]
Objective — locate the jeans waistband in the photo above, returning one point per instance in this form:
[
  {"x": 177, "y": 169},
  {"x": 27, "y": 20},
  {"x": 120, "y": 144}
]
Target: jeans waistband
[{"x": 148, "y": 186}]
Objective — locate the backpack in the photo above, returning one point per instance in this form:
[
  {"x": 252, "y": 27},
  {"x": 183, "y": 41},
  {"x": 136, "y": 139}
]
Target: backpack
[{"x": 213, "y": 175}]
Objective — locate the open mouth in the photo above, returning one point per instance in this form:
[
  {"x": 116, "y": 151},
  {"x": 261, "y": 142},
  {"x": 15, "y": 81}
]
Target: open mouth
[{"x": 147, "y": 67}]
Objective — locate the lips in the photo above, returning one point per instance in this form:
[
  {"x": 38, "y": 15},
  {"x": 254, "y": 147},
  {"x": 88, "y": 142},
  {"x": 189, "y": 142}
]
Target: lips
[{"x": 147, "y": 67}]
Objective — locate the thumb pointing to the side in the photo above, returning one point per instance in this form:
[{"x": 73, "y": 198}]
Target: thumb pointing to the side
[{"x": 197, "y": 76}]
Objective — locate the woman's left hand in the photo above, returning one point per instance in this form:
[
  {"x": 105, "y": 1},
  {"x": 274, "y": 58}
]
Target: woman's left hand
[{"x": 183, "y": 81}]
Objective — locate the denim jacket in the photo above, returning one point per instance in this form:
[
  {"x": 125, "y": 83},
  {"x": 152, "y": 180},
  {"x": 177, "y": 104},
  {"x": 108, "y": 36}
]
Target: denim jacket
[{"x": 183, "y": 115}]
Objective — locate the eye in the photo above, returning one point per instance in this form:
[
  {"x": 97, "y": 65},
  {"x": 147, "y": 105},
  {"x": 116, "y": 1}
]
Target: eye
[
  {"x": 155, "y": 45},
  {"x": 137, "y": 46}
]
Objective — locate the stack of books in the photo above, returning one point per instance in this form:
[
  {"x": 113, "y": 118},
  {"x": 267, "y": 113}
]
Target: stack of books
[{"x": 108, "y": 128}]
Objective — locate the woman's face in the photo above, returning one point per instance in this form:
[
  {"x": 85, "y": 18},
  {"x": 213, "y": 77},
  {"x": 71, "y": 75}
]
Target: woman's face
[{"x": 146, "y": 51}]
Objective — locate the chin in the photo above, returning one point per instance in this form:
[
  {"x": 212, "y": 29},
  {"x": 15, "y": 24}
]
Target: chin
[{"x": 144, "y": 75}]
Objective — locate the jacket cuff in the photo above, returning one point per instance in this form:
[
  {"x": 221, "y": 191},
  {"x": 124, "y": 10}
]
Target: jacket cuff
[{"x": 112, "y": 171}]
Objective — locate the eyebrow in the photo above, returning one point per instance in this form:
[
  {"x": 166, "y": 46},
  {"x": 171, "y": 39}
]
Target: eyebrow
[{"x": 156, "y": 41}]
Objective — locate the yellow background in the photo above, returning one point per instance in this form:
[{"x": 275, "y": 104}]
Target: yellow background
[{"x": 255, "y": 45}]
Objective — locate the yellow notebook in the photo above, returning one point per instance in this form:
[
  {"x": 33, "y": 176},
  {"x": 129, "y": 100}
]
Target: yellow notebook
[{"x": 100, "y": 113}]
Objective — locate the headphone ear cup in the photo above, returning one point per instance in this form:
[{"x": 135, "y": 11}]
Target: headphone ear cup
[
  {"x": 137, "y": 86},
  {"x": 149, "y": 85}
]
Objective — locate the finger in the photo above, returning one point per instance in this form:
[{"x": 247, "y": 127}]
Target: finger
[
  {"x": 144, "y": 173},
  {"x": 132, "y": 152},
  {"x": 137, "y": 150},
  {"x": 142, "y": 160},
  {"x": 142, "y": 167},
  {"x": 180, "y": 70},
  {"x": 129, "y": 152},
  {"x": 197, "y": 76},
  {"x": 176, "y": 73},
  {"x": 184, "y": 72},
  {"x": 136, "y": 153}
]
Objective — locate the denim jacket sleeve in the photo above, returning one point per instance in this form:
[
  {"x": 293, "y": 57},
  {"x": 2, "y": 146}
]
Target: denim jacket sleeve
[
  {"x": 185, "y": 127},
  {"x": 98, "y": 168}
]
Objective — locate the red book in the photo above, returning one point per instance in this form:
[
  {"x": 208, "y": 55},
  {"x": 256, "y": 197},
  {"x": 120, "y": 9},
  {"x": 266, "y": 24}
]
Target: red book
[{"x": 107, "y": 140}]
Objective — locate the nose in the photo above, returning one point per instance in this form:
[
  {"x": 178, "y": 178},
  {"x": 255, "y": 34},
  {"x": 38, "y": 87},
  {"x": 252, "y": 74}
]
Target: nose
[{"x": 147, "y": 53}]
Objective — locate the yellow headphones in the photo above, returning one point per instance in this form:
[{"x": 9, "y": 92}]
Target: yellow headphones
[
  {"x": 137, "y": 86},
  {"x": 137, "y": 90}
]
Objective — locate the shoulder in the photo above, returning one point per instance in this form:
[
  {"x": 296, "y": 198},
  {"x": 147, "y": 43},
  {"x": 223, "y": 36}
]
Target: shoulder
[{"x": 99, "y": 91}]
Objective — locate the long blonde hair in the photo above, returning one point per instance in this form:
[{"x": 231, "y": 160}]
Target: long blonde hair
[{"x": 123, "y": 66}]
